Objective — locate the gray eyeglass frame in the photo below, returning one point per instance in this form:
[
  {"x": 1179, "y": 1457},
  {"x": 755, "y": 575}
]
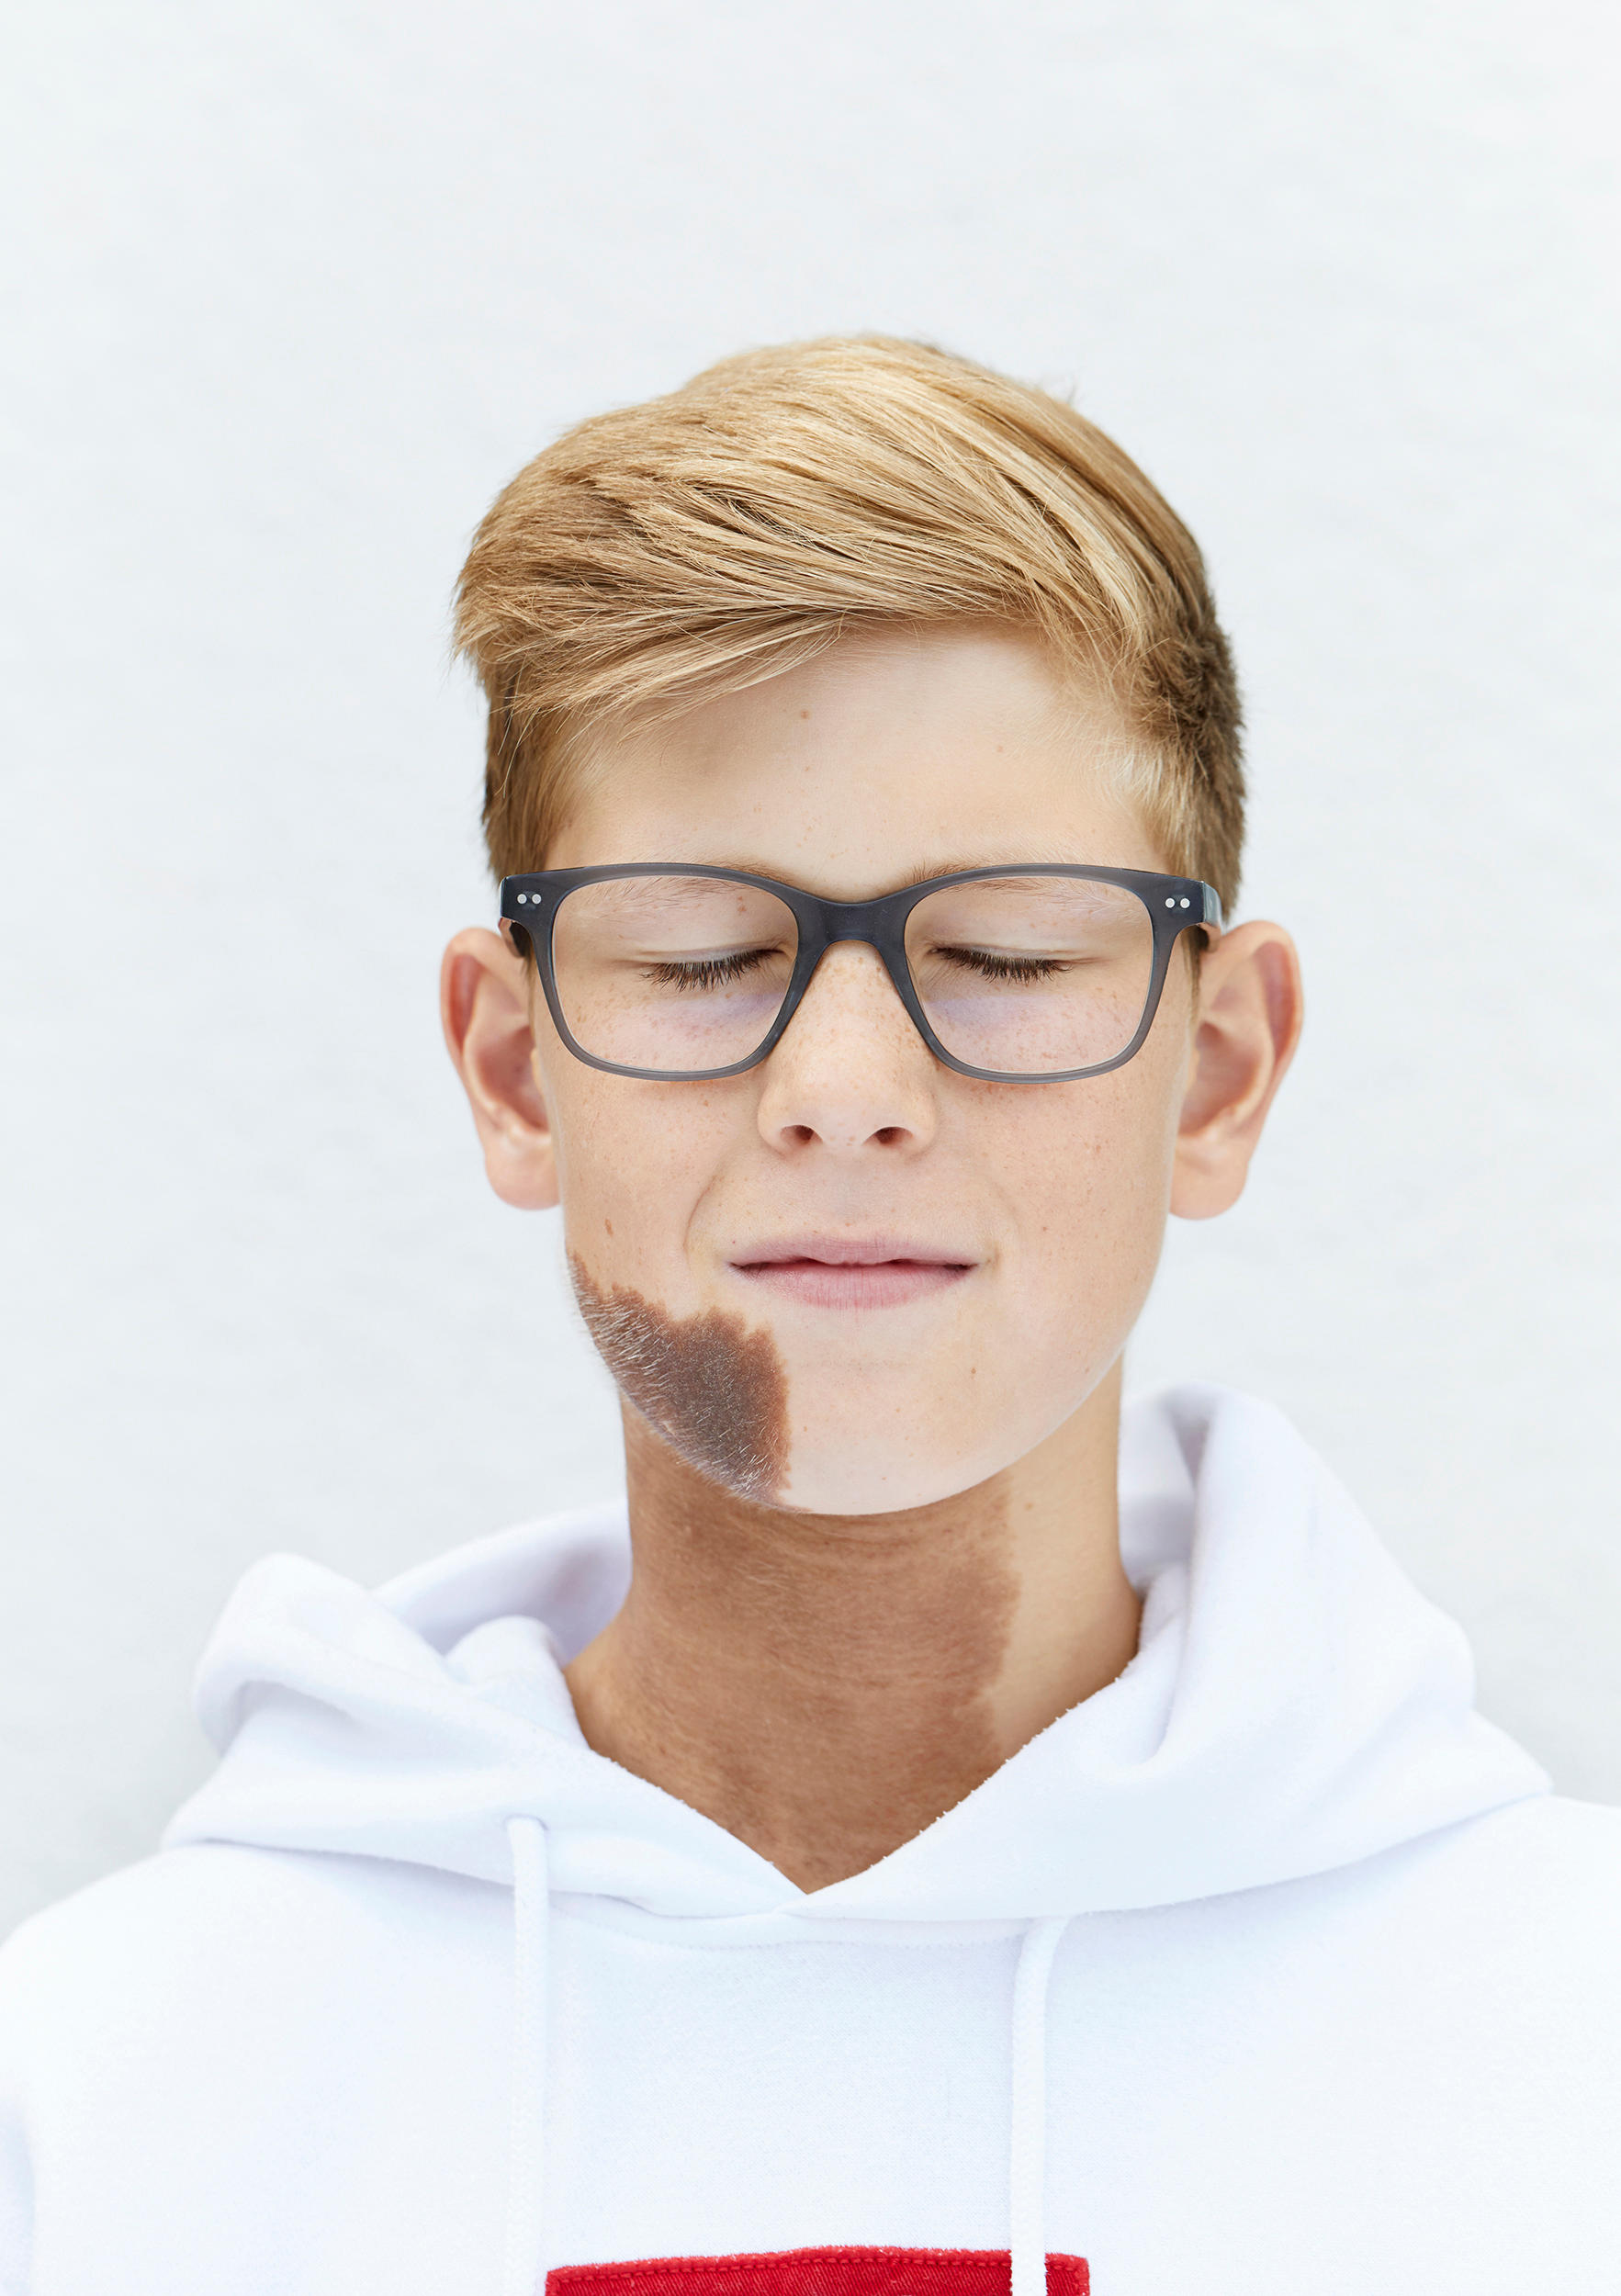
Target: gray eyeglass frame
[{"x": 529, "y": 907}]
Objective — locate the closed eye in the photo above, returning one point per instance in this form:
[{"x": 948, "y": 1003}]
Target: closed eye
[
  {"x": 995, "y": 966},
  {"x": 707, "y": 972}
]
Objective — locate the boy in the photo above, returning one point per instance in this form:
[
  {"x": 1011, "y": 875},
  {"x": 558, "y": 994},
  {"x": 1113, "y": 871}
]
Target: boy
[{"x": 949, "y": 1840}]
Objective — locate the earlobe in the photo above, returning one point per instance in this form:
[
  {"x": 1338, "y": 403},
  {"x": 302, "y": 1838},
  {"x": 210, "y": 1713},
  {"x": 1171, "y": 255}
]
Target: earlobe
[
  {"x": 484, "y": 1006},
  {"x": 1250, "y": 1011}
]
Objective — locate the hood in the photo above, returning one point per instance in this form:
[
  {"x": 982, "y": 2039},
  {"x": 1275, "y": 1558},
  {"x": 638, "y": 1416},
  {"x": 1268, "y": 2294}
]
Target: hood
[{"x": 1295, "y": 1705}]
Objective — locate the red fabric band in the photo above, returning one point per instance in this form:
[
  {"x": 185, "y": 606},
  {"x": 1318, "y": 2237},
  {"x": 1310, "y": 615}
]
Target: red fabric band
[{"x": 818, "y": 2272}]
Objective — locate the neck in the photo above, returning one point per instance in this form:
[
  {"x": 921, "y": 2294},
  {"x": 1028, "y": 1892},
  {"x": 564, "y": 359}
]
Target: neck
[{"x": 825, "y": 1686}]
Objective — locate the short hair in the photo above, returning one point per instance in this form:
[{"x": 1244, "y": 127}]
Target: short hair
[{"x": 705, "y": 541}]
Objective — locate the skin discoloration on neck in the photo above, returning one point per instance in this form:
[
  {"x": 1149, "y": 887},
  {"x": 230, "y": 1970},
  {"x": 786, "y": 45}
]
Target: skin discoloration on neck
[
  {"x": 822, "y": 1687},
  {"x": 825, "y": 1686},
  {"x": 714, "y": 1389}
]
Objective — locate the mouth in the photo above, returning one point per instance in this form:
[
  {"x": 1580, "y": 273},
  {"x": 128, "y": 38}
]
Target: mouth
[{"x": 844, "y": 1272}]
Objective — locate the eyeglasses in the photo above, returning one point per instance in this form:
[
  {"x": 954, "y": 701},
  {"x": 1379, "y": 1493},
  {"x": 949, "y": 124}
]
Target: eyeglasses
[{"x": 1023, "y": 974}]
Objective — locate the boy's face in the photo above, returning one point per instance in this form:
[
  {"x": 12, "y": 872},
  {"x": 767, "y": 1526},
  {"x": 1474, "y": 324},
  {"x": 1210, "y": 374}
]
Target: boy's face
[{"x": 1004, "y": 1235}]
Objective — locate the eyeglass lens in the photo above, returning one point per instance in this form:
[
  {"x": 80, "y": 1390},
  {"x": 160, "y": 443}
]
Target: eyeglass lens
[
  {"x": 1030, "y": 975},
  {"x": 1025, "y": 975}
]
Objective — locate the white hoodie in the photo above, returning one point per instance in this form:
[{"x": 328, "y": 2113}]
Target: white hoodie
[{"x": 1271, "y": 1970}]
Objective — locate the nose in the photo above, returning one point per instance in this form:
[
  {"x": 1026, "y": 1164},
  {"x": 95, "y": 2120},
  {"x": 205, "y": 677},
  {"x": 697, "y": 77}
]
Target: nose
[{"x": 850, "y": 1072}]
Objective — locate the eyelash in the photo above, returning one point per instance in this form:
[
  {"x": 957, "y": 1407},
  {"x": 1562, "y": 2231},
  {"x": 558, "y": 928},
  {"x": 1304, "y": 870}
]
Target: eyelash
[
  {"x": 707, "y": 972},
  {"x": 995, "y": 968},
  {"x": 714, "y": 972}
]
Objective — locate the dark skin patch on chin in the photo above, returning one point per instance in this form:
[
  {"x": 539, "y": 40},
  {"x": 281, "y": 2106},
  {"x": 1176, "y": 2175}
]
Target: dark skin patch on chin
[{"x": 715, "y": 1390}]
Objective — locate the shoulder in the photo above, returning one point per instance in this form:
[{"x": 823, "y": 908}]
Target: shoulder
[
  {"x": 124, "y": 1936},
  {"x": 187, "y": 2043},
  {"x": 1455, "y": 1954},
  {"x": 1504, "y": 1928},
  {"x": 1536, "y": 1880},
  {"x": 1546, "y": 1859},
  {"x": 1542, "y": 1885},
  {"x": 210, "y": 1937}
]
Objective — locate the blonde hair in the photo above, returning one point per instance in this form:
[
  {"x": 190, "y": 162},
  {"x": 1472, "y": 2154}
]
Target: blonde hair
[{"x": 705, "y": 541}]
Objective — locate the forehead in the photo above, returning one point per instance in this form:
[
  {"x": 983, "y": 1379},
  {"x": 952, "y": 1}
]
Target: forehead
[{"x": 891, "y": 756}]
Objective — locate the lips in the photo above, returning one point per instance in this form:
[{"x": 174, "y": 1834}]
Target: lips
[{"x": 851, "y": 1272}]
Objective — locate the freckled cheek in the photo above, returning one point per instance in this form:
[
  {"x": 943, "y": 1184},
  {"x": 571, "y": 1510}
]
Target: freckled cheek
[
  {"x": 1088, "y": 1187},
  {"x": 632, "y": 1166}
]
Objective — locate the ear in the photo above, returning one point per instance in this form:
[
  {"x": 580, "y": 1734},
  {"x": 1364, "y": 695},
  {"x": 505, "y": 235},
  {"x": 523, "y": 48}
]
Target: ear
[
  {"x": 1249, "y": 1022},
  {"x": 484, "y": 989}
]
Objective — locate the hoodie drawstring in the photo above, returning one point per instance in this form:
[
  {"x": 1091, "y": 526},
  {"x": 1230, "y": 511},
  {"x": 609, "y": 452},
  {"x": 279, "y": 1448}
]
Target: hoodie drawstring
[
  {"x": 526, "y": 2255},
  {"x": 1028, "y": 2199}
]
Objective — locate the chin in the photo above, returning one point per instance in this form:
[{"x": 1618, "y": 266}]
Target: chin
[{"x": 861, "y": 1479}]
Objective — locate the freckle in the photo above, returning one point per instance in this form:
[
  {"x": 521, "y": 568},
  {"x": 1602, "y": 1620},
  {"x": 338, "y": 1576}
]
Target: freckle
[
  {"x": 608, "y": 1225},
  {"x": 804, "y": 712}
]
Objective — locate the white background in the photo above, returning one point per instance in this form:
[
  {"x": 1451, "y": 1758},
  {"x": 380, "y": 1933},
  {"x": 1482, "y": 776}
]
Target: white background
[{"x": 291, "y": 286}]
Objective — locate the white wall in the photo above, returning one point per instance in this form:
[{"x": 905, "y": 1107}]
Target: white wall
[{"x": 303, "y": 281}]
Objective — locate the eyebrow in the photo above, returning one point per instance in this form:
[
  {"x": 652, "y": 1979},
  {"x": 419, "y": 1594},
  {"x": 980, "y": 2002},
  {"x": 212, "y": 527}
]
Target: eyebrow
[
  {"x": 946, "y": 866},
  {"x": 1047, "y": 859}
]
